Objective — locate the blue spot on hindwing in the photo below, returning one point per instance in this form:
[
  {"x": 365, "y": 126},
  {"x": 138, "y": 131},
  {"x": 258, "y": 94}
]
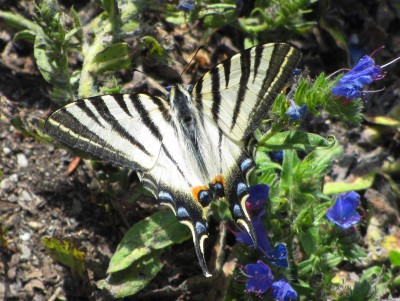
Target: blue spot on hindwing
[
  {"x": 182, "y": 213},
  {"x": 204, "y": 198},
  {"x": 237, "y": 212},
  {"x": 246, "y": 165},
  {"x": 241, "y": 189},
  {"x": 200, "y": 228},
  {"x": 218, "y": 189},
  {"x": 166, "y": 197}
]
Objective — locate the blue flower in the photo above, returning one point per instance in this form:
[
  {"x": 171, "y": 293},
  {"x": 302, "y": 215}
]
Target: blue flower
[
  {"x": 257, "y": 198},
  {"x": 279, "y": 256},
  {"x": 276, "y": 156},
  {"x": 186, "y": 5},
  {"x": 295, "y": 112},
  {"x": 261, "y": 235},
  {"x": 260, "y": 278},
  {"x": 351, "y": 85},
  {"x": 343, "y": 213},
  {"x": 282, "y": 291}
]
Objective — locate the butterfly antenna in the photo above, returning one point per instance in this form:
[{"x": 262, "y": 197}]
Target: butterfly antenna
[{"x": 198, "y": 49}]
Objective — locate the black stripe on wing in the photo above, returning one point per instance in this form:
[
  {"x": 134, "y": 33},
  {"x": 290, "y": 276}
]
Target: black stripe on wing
[
  {"x": 119, "y": 98},
  {"x": 257, "y": 61},
  {"x": 215, "y": 84},
  {"x": 227, "y": 72},
  {"x": 144, "y": 116},
  {"x": 83, "y": 106},
  {"x": 283, "y": 61},
  {"x": 102, "y": 109},
  {"x": 245, "y": 65},
  {"x": 84, "y": 138}
]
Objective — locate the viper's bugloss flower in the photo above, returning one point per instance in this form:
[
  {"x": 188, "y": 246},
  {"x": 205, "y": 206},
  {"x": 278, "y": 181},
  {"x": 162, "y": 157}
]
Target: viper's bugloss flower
[
  {"x": 259, "y": 278},
  {"x": 257, "y": 198},
  {"x": 263, "y": 242},
  {"x": 282, "y": 291},
  {"x": 276, "y": 156},
  {"x": 351, "y": 85},
  {"x": 295, "y": 112},
  {"x": 343, "y": 213},
  {"x": 279, "y": 256},
  {"x": 186, "y": 5}
]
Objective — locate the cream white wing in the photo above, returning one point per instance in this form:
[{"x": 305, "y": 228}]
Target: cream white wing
[
  {"x": 238, "y": 93},
  {"x": 124, "y": 129}
]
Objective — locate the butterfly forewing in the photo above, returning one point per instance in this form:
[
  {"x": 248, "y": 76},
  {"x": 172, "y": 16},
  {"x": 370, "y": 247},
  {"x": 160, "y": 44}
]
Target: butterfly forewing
[
  {"x": 122, "y": 129},
  {"x": 238, "y": 93}
]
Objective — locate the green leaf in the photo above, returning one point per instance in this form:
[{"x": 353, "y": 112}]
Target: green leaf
[
  {"x": 64, "y": 252},
  {"x": 154, "y": 49},
  {"x": 129, "y": 14},
  {"x": 307, "y": 242},
  {"x": 295, "y": 140},
  {"x": 77, "y": 25},
  {"x": 114, "y": 57},
  {"x": 133, "y": 279},
  {"x": 332, "y": 260},
  {"x": 371, "y": 272},
  {"x": 176, "y": 17},
  {"x": 25, "y": 35},
  {"x": 110, "y": 7},
  {"x": 384, "y": 120},
  {"x": 218, "y": 15},
  {"x": 19, "y": 22},
  {"x": 290, "y": 162},
  {"x": 153, "y": 233},
  {"x": 50, "y": 69},
  {"x": 358, "y": 183},
  {"x": 394, "y": 257},
  {"x": 221, "y": 211}
]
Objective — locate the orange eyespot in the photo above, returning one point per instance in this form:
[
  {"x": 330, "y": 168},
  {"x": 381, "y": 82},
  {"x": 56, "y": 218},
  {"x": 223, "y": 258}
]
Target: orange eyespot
[
  {"x": 196, "y": 192},
  {"x": 219, "y": 179}
]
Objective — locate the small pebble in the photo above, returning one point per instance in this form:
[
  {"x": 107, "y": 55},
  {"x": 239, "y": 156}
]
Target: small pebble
[
  {"x": 25, "y": 252},
  {"x": 35, "y": 225},
  {"x": 22, "y": 161},
  {"x": 14, "y": 177},
  {"x": 6, "y": 150},
  {"x": 25, "y": 236},
  {"x": 7, "y": 185},
  {"x": 25, "y": 196}
]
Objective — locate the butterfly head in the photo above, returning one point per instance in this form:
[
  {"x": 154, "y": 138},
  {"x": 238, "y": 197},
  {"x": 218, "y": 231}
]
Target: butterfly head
[{"x": 182, "y": 106}]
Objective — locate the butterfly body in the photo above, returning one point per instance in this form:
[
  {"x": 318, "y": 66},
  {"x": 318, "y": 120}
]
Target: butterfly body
[{"x": 192, "y": 148}]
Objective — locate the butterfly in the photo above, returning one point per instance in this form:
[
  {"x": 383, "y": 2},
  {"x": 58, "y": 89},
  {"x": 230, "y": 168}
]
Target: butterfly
[{"x": 193, "y": 147}]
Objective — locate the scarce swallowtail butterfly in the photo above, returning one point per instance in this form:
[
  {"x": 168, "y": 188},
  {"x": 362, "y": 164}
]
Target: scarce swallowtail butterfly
[{"x": 193, "y": 147}]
